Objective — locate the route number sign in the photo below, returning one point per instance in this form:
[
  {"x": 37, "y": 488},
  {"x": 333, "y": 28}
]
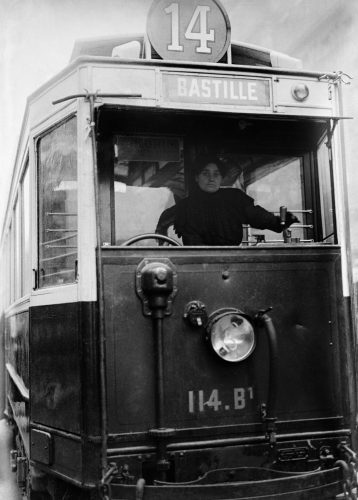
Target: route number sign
[{"x": 189, "y": 30}]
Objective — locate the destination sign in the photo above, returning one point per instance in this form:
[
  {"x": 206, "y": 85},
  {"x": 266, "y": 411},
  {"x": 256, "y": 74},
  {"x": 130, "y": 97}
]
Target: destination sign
[{"x": 216, "y": 90}]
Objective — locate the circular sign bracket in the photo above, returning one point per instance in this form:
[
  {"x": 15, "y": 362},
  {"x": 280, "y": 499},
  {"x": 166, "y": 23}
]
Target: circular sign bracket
[{"x": 189, "y": 30}]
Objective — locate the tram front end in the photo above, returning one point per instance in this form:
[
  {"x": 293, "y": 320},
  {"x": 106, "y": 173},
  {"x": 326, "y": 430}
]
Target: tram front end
[
  {"x": 207, "y": 390},
  {"x": 229, "y": 369}
]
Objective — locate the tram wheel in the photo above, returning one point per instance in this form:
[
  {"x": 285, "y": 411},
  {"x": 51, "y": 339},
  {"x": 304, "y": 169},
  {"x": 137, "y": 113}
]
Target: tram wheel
[{"x": 35, "y": 486}]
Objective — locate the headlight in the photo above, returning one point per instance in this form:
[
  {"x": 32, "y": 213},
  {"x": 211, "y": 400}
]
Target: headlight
[
  {"x": 300, "y": 92},
  {"x": 231, "y": 334}
]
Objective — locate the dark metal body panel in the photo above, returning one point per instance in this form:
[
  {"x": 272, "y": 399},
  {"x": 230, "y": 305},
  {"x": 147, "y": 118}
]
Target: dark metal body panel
[
  {"x": 17, "y": 371},
  {"x": 301, "y": 284},
  {"x": 64, "y": 388},
  {"x": 64, "y": 367},
  {"x": 56, "y": 367},
  {"x": 17, "y": 343}
]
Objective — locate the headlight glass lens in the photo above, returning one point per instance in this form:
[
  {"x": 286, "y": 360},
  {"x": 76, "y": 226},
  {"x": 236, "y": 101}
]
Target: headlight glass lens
[{"x": 232, "y": 336}]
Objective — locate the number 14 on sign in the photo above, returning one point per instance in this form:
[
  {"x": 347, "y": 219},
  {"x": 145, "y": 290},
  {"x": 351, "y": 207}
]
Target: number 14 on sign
[
  {"x": 198, "y": 402},
  {"x": 203, "y": 35}
]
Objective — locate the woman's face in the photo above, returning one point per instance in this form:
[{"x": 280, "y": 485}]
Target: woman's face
[{"x": 209, "y": 179}]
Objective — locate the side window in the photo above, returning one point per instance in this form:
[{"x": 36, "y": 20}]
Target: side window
[
  {"x": 325, "y": 193},
  {"x": 12, "y": 260},
  {"x": 57, "y": 185},
  {"x": 7, "y": 271},
  {"x": 26, "y": 222},
  {"x": 11, "y": 265},
  {"x": 17, "y": 248},
  {"x": 17, "y": 257}
]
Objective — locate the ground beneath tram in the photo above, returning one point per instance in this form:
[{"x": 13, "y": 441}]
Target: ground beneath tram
[{"x": 8, "y": 489}]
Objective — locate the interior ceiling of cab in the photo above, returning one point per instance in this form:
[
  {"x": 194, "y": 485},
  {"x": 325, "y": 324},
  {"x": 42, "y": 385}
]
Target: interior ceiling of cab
[{"x": 250, "y": 132}]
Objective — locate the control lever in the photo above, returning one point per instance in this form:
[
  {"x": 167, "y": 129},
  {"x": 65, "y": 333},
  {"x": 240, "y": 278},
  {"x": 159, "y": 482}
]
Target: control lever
[
  {"x": 287, "y": 235},
  {"x": 283, "y": 215}
]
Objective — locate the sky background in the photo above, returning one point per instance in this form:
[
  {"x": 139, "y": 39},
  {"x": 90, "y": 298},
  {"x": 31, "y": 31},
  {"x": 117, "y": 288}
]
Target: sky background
[{"x": 37, "y": 37}]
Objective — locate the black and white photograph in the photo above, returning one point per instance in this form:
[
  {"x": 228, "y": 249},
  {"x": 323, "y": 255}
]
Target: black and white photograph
[{"x": 178, "y": 250}]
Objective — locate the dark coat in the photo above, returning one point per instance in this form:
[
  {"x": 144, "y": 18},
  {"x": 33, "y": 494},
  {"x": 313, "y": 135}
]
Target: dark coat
[{"x": 216, "y": 218}]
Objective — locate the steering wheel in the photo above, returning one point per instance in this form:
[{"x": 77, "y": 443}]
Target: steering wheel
[{"x": 151, "y": 236}]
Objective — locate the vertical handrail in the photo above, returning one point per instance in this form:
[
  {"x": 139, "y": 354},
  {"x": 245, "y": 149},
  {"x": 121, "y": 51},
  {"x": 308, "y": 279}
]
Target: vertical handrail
[
  {"x": 158, "y": 334},
  {"x": 328, "y": 143},
  {"x": 103, "y": 393},
  {"x": 269, "y": 417}
]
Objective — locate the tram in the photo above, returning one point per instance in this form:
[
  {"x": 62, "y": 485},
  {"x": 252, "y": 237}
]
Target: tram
[{"x": 137, "y": 367}]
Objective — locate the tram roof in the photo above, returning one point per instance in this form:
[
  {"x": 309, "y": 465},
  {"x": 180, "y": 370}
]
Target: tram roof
[
  {"x": 245, "y": 57},
  {"x": 136, "y": 46}
]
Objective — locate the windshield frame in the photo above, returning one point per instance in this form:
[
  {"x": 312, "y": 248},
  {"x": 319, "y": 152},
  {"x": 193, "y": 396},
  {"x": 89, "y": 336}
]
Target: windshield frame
[{"x": 173, "y": 124}]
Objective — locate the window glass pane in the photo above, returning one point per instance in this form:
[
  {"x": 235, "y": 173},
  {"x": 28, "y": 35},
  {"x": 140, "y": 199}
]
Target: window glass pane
[
  {"x": 276, "y": 181},
  {"x": 325, "y": 193},
  {"x": 12, "y": 260},
  {"x": 17, "y": 248},
  {"x": 26, "y": 220},
  {"x": 58, "y": 205},
  {"x": 148, "y": 176},
  {"x": 7, "y": 271}
]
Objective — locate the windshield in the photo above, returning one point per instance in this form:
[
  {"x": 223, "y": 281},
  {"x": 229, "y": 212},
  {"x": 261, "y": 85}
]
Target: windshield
[{"x": 155, "y": 172}]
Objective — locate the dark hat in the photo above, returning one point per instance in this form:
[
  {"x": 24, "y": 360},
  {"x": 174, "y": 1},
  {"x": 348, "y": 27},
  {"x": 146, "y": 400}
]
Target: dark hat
[{"x": 204, "y": 160}]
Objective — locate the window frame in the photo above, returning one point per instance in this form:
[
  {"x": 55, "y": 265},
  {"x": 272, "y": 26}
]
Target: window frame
[
  {"x": 25, "y": 263},
  {"x": 44, "y": 132},
  {"x": 305, "y": 150}
]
